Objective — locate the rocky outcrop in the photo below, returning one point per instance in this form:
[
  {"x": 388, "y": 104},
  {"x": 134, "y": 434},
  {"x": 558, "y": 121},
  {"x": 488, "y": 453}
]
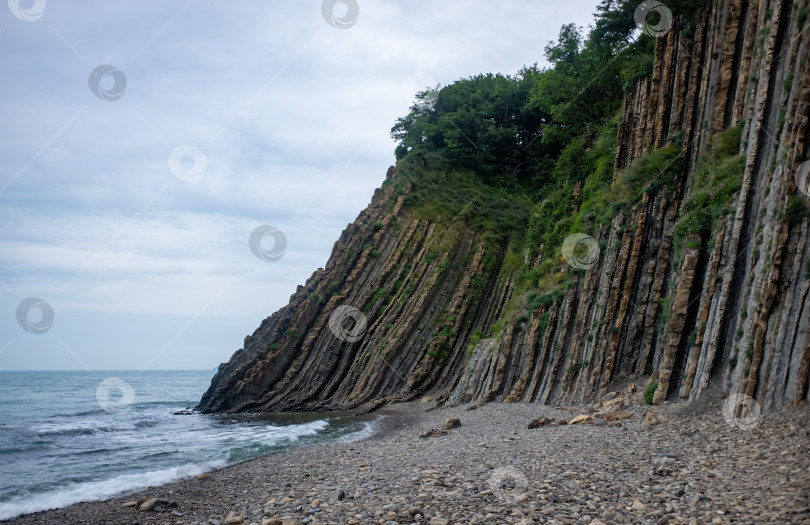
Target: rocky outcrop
[
  {"x": 419, "y": 287},
  {"x": 725, "y": 312}
]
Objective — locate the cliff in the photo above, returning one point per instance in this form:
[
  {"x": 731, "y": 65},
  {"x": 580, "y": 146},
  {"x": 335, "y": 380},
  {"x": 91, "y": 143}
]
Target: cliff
[{"x": 697, "y": 280}]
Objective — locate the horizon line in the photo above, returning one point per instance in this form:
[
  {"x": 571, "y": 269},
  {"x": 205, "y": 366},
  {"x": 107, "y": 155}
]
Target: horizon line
[{"x": 114, "y": 370}]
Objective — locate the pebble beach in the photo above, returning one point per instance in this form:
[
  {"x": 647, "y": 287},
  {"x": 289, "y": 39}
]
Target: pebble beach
[{"x": 666, "y": 464}]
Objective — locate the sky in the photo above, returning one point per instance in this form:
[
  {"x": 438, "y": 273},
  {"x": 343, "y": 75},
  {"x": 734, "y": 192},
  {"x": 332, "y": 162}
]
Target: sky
[{"x": 143, "y": 144}]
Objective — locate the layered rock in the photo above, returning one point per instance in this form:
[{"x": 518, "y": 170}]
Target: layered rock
[{"x": 727, "y": 313}]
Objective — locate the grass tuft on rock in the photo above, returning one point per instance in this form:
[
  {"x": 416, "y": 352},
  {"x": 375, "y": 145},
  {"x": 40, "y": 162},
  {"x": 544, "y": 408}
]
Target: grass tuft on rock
[{"x": 648, "y": 394}]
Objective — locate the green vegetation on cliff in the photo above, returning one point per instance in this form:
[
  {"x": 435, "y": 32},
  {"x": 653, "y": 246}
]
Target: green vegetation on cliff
[
  {"x": 528, "y": 160},
  {"x": 718, "y": 178},
  {"x": 511, "y": 131},
  {"x": 686, "y": 253}
]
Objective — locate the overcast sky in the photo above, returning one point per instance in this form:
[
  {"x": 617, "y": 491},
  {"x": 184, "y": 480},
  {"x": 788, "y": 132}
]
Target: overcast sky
[{"x": 128, "y": 193}]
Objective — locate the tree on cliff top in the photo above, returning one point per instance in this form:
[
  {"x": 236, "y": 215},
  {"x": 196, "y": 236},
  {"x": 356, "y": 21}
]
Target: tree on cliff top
[{"x": 511, "y": 130}]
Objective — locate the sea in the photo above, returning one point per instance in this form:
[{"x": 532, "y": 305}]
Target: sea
[{"x": 77, "y": 436}]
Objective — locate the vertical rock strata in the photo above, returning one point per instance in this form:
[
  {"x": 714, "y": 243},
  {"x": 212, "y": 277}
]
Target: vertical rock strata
[{"x": 729, "y": 313}]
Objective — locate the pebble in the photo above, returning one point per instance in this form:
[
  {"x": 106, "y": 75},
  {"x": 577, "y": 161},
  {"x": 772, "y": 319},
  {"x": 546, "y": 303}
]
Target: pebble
[
  {"x": 638, "y": 505},
  {"x": 494, "y": 469}
]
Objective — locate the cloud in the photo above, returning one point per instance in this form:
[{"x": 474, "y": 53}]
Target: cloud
[{"x": 291, "y": 114}]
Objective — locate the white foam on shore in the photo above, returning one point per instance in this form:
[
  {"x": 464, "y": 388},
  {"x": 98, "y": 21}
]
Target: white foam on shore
[
  {"x": 29, "y": 502},
  {"x": 370, "y": 428},
  {"x": 95, "y": 490}
]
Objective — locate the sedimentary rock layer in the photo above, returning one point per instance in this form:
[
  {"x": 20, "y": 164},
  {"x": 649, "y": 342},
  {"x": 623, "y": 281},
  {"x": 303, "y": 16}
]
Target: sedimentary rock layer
[{"x": 728, "y": 312}]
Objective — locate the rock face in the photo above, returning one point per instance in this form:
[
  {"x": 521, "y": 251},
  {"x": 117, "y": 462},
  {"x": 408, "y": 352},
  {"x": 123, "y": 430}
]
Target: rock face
[{"x": 728, "y": 313}]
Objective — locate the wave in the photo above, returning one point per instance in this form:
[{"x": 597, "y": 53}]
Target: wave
[
  {"x": 369, "y": 429},
  {"x": 94, "y": 451},
  {"x": 96, "y": 411},
  {"x": 265, "y": 440},
  {"x": 78, "y": 428},
  {"x": 240, "y": 442},
  {"x": 17, "y": 450},
  {"x": 75, "y": 414},
  {"x": 254, "y": 450},
  {"x": 73, "y": 431},
  {"x": 145, "y": 423},
  {"x": 94, "y": 490}
]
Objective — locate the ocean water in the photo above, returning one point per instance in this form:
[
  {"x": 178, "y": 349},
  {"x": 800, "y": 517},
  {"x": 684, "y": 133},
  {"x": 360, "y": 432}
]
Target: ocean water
[{"x": 77, "y": 436}]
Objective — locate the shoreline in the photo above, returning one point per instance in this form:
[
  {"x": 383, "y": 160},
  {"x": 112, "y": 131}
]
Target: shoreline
[{"x": 494, "y": 469}]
